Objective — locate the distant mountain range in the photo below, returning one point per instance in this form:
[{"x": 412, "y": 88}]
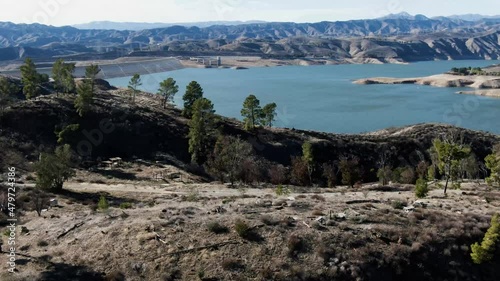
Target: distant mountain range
[
  {"x": 136, "y": 26},
  {"x": 398, "y": 37}
]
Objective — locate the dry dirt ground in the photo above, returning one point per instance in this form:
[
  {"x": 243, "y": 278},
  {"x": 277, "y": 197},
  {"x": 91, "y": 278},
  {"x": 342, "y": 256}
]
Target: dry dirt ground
[{"x": 170, "y": 231}]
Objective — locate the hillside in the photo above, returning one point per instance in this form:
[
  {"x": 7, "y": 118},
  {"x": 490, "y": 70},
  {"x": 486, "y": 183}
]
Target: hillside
[
  {"x": 145, "y": 130},
  {"x": 169, "y": 220}
]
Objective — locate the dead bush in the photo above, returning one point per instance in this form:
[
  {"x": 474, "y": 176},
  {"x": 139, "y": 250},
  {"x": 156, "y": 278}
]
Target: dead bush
[
  {"x": 296, "y": 245},
  {"x": 277, "y": 174}
]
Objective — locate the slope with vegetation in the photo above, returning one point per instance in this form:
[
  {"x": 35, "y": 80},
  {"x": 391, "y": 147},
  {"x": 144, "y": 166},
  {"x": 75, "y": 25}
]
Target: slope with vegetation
[{"x": 351, "y": 232}]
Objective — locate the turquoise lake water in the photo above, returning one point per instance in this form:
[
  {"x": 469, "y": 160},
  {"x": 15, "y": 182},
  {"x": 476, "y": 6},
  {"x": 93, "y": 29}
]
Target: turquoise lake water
[{"x": 323, "y": 98}]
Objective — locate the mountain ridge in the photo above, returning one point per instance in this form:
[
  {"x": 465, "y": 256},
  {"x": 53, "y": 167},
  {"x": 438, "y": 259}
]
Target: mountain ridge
[{"x": 400, "y": 37}]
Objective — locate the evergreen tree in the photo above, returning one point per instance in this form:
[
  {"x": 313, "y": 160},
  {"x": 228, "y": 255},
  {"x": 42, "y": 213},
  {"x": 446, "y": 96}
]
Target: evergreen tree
[
  {"x": 201, "y": 129},
  {"x": 85, "y": 97},
  {"x": 134, "y": 84},
  {"x": 30, "y": 79},
  {"x": 7, "y": 92},
  {"x": 493, "y": 164},
  {"x": 449, "y": 154},
  {"x": 251, "y": 112},
  {"x": 62, "y": 73},
  {"x": 193, "y": 92},
  {"x": 483, "y": 252},
  {"x": 168, "y": 89},
  {"x": 91, "y": 73},
  {"x": 268, "y": 114},
  {"x": 54, "y": 169}
]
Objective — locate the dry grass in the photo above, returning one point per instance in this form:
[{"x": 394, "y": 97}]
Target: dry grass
[{"x": 266, "y": 241}]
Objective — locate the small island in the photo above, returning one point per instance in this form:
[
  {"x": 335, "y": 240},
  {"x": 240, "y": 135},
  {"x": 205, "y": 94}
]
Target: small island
[{"x": 485, "y": 82}]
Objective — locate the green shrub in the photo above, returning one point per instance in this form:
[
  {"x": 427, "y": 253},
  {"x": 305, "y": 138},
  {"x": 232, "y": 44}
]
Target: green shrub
[
  {"x": 54, "y": 169},
  {"x": 483, "y": 252},
  {"x": 126, "y": 205},
  {"x": 398, "y": 205},
  {"x": 421, "y": 188},
  {"x": 103, "y": 204},
  {"x": 217, "y": 228},
  {"x": 242, "y": 228},
  {"x": 282, "y": 191}
]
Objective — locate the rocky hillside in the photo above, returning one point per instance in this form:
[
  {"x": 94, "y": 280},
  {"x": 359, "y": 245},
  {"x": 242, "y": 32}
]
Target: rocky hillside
[
  {"x": 386, "y": 39},
  {"x": 145, "y": 130}
]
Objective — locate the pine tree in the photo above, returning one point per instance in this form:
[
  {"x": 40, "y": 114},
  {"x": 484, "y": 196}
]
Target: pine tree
[
  {"x": 7, "y": 92},
  {"x": 193, "y": 92},
  {"x": 134, "y": 84},
  {"x": 449, "y": 154},
  {"x": 492, "y": 162},
  {"x": 201, "y": 129},
  {"x": 91, "y": 73},
  {"x": 251, "y": 112},
  {"x": 85, "y": 97},
  {"x": 30, "y": 79},
  {"x": 268, "y": 114},
  {"x": 481, "y": 253},
  {"x": 62, "y": 73},
  {"x": 168, "y": 89}
]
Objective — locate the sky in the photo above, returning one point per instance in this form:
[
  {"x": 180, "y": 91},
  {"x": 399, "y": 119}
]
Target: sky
[{"x": 68, "y": 12}]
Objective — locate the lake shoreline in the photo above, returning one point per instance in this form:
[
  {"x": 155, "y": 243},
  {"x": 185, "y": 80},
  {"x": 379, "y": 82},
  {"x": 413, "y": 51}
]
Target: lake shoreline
[{"x": 483, "y": 85}]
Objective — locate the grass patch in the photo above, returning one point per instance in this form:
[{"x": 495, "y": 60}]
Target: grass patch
[{"x": 217, "y": 228}]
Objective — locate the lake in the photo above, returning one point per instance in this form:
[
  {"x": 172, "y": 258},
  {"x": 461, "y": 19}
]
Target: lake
[{"x": 323, "y": 98}]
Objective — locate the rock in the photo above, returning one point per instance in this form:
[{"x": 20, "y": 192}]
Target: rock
[
  {"x": 409, "y": 209},
  {"x": 53, "y": 203},
  {"x": 321, "y": 220},
  {"x": 341, "y": 216}
]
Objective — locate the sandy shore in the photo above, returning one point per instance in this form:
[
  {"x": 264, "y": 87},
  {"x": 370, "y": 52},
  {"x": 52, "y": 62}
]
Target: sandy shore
[{"x": 484, "y": 85}]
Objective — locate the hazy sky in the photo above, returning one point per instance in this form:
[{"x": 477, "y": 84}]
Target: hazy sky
[{"x": 66, "y": 12}]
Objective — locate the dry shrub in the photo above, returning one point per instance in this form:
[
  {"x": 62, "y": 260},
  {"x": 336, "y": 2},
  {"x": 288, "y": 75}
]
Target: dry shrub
[
  {"x": 296, "y": 245},
  {"x": 277, "y": 174},
  {"x": 300, "y": 172},
  {"x": 269, "y": 220},
  {"x": 318, "y": 198},
  {"x": 250, "y": 171},
  {"x": 232, "y": 265}
]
